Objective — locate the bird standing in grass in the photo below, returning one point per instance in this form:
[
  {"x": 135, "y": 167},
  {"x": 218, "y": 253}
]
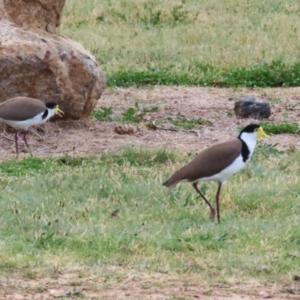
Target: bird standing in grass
[
  {"x": 23, "y": 112},
  {"x": 219, "y": 162}
]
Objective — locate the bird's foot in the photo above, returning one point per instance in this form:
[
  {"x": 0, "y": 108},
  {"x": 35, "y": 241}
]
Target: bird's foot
[{"x": 212, "y": 214}]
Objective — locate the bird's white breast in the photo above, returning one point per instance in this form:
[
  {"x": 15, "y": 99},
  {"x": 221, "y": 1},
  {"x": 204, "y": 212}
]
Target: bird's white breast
[
  {"x": 26, "y": 123},
  {"x": 233, "y": 168}
]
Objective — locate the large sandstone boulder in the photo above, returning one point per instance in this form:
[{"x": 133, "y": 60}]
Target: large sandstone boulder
[
  {"x": 35, "y": 62},
  {"x": 33, "y": 14}
]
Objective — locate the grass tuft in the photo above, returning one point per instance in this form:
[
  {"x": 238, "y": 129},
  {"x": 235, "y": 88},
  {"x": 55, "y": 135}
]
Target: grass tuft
[
  {"x": 102, "y": 114},
  {"x": 185, "y": 123},
  {"x": 71, "y": 160},
  {"x": 22, "y": 167},
  {"x": 142, "y": 157},
  {"x": 278, "y": 128}
]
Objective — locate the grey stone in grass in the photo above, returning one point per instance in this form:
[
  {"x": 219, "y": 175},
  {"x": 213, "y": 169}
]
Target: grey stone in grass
[{"x": 250, "y": 107}]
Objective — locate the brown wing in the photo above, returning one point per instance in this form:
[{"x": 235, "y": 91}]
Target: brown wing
[
  {"x": 21, "y": 108},
  {"x": 208, "y": 162}
]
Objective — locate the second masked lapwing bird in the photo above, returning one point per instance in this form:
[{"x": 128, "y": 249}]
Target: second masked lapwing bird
[
  {"x": 23, "y": 112},
  {"x": 219, "y": 162}
]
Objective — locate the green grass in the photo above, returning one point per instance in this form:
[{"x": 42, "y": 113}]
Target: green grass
[
  {"x": 134, "y": 114},
  {"x": 280, "y": 128},
  {"x": 102, "y": 114},
  {"x": 113, "y": 211},
  {"x": 185, "y": 123},
  {"x": 173, "y": 42},
  {"x": 178, "y": 123}
]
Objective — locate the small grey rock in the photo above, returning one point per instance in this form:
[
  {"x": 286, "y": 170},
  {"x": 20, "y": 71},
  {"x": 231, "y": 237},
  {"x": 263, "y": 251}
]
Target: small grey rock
[{"x": 250, "y": 107}]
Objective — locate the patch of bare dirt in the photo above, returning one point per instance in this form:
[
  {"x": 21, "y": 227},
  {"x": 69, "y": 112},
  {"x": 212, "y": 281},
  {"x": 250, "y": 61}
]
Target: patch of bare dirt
[
  {"x": 77, "y": 284},
  {"x": 86, "y": 137}
]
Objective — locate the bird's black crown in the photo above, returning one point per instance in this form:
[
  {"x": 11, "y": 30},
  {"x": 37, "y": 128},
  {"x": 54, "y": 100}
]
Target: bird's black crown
[
  {"x": 250, "y": 128},
  {"x": 51, "y": 105}
]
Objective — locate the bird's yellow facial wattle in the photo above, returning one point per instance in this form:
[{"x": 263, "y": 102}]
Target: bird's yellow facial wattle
[
  {"x": 58, "y": 111},
  {"x": 261, "y": 134}
]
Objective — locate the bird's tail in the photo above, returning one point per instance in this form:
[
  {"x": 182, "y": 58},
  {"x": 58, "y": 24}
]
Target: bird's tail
[{"x": 174, "y": 179}]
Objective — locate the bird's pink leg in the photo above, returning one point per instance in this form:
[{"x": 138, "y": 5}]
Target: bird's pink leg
[
  {"x": 217, "y": 200},
  {"x": 16, "y": 141},
  {"x": 212, "y": 210},
  {"x": 25, "y": 140}
]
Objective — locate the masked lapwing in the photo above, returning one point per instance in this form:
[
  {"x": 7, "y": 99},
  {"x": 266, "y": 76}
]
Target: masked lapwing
[
  {"x": 219, "y": 162},
  {"x": 23, "y": 112}
]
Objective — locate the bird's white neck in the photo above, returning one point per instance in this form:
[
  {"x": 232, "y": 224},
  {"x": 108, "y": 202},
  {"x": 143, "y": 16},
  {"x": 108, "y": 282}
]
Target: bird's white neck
[
  {"x": 51, "y": 113},
  {"x": 250, "y": 140}
]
